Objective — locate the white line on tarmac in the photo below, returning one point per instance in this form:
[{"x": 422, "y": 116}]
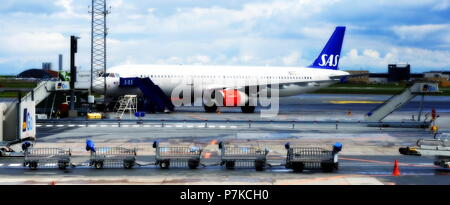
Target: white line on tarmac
[
  {"x": 80, "y": 125},
  {"x": 212, "y": 126},
  {"x": 146, "y": 125},
  {"x": 124, "y": 125},
  {"x": 168, "y": 126},
  {"x": 38, "y": 125},
  {"x": 135, "y": 125},
  {"x": 114, "y": 125},
  {"x": 71, "y": 125},
  {"x": 59, "y": 125},
  {"x": 190, "y": 126},
  {"x": 49, "y": 125},
  {"x": 1, "y": 165},
  {"x": 92, "y": 125},
  {"x": 50, "y": 164},
  {"x": 233, "y": 127},
  {"x": 223, "y": 126},
  {"x": 179, "y": 126},
  {"x": 14, "y": 165},
  {"x": 200, "y": 126},
  {"x": 103, "y": 125}
]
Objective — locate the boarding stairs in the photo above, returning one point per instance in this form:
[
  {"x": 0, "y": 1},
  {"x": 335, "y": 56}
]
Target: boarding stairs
[
  {"x": 397, "y": 101},
  {"x": 36, "y": 95},
  {"x": 153, "y": 93},
  {"x": 127, "y": 103},
  {"x": 43, "y": 90}
]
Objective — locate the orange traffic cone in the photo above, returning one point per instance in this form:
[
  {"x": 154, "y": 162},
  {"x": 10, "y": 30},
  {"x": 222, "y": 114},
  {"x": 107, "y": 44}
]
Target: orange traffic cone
[{"x": 396, "y": 171}]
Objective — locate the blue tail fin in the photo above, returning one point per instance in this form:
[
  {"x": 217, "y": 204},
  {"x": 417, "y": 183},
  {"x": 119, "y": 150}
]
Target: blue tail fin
[{"x": 329, "y": 57}]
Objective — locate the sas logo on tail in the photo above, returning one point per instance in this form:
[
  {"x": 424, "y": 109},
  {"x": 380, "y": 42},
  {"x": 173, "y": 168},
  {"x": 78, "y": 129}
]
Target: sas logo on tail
[{"x": 330, "y": 60}]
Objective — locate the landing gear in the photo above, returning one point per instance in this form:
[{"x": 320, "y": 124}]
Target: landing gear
[
  {"x": 210, "y": 109},
  {"x": 248, "y": 109}
]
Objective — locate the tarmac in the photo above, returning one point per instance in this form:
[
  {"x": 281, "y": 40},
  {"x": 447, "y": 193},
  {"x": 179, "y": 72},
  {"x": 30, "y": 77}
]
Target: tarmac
[{"x": 367, "y": 156}]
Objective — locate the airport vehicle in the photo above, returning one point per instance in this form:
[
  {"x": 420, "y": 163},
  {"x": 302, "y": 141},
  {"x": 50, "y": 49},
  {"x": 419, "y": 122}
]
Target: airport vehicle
[
  {"x": 111, "y": 156},
  {"x": 439, "y": 148},
  {"x": 245, "y": 156},
  {"x": 47, "y": 157},
  {"x": 225, "y": 85},
  {"x": 299, "y": 158},
  {"x": 177, "y": 155}
]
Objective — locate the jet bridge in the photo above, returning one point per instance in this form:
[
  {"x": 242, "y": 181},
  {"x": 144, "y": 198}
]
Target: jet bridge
[
  {"x": 376, "y": 116},
  {"x": 151, "y": 91}
]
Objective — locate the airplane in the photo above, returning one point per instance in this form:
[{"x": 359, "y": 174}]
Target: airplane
[{"x": 231, "y": 85}]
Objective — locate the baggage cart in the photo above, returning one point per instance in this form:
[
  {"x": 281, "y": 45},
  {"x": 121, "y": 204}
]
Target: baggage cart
[
  {"x": 243, "y": 156},
  {"x": 177, "y": 156},
  {"x": 309, "y": 157},
  {"x": 113, "y": 157},
  {"x": 47, "y": 157}
]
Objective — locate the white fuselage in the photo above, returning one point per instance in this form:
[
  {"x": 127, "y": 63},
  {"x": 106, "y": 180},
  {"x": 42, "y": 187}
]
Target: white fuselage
[{"x": 292, "y": 80}]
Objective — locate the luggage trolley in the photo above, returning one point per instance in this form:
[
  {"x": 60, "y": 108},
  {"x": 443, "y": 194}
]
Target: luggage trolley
[
  {"x": 299, "y": 158},
  {"x": 177, "y": 155},
  {"x": 246, "y": 156},
  {"x": 47, "y": 157},
  {"x": 111, "y": 156}
]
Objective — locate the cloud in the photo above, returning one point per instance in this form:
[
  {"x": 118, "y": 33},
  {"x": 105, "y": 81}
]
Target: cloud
[
  {"x": 418, "y": 32},
  {"x": 418, "y": 58},
  {"x": 291, "y": 59},
  {"x": 442, "y": 5},
  {"x": 251, "y": 32},
  {"x": 34, "y": 42}
]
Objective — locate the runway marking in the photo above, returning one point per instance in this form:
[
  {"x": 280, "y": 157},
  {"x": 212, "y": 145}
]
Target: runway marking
[
  {"x": 233, "y": 127},
  {"x": 59, "y": 125},
  {"x": 197, "y": 117},
  {"x": 14, "y": 165},
  {"x": 190, "y": 126},
  {"x": 384, "y": 162},
  {"x": 92, "y": 125},
  {"x": 136, "y": 126},
  {"x": 114, "y": 125},
  {"x": 168, "y": 126},
  {"x": 223, "y": 126},
  {"x": 71, "y": 125},
  {"x": 201, "y": 126},
  {"x": 212, "y": 126},
  {"x": 49, "y": 125},
  {"x": 124, "y": 125},
  {"x": 179, "y": 126},
  {"x": 103, "y": 125},
  {"x": 38, "y": 125},
  {"x": 146, "y": 125},
  {"x": 80, "y": 125},
  {"x": 354, "y": 102},
  {"x": 1, "y": 165}
]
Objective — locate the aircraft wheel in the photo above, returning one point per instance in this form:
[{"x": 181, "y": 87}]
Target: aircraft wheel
[
  {"x": 210, "y": 109},
  {"x": 248, "y": 109}
]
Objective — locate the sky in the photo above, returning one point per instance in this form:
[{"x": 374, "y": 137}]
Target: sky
[{"x": 230, "y": 32}]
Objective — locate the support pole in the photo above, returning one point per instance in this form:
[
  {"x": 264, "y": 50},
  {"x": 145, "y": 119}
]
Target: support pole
[{"x": 421, "y": 107}]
